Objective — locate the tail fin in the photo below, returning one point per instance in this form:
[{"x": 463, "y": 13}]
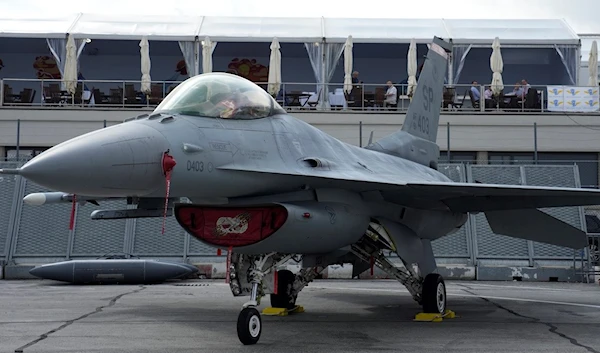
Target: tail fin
[
  {"x": 416, "y": 140},
  {"x": 423, "y": 116}
]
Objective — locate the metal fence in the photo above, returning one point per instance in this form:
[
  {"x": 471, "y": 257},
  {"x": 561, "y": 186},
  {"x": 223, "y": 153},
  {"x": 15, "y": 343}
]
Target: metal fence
[
  {"x": 364, "y": 97},
  {"x": 34, "y": 234}
]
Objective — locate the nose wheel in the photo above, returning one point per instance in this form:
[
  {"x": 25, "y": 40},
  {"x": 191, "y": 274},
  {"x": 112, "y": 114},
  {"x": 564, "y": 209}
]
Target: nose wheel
[{"x": 249, "y": 326}]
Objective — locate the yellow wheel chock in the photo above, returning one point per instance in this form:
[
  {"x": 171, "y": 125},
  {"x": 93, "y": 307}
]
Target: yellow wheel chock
[
  {"x": 432, "y": 317},
  {"x": 270, "y": 311}
]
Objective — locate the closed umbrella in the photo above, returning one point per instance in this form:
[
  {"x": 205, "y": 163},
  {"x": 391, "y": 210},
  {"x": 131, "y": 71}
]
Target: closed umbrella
[
  {"x": 70, "y": 76},
  {"x": 207, "y": 49},
  {"x": 274, "y": 68},
  {"x": 348, "y": 65},
  {"x": 593, "y": 64},
  {"x": 412, "y": 67},
  {"x": 145, "y": 57},
  {"x": 497, "y": 65}
]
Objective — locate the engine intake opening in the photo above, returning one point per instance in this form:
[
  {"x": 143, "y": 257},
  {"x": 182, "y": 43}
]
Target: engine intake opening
[{"x": 226, "y": 226}]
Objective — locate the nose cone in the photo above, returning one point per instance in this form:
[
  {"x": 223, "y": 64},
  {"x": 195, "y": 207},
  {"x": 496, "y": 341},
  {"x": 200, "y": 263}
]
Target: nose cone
[{"x": 118, "y": 161}]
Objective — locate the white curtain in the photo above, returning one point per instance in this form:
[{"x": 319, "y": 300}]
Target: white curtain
[
  {"x": 58, "y": 48},
  {"x": 569, "y": 57},
  {"x": 191, "y": 55},
  {"x": 412, "y": 67},
  {"x": 348, "y": 65},
  {"x": 274, "y": 69},
  {"x": 593, "y": 65},
  {"x": 497, "y": 65},
  {"x": 208, "y": 48},
  {"x": 324, "y": 58},
  {"x": 145, "y": 64},
  {"x": 459, "y": 55},
  {"x": 70, "y": 76}
]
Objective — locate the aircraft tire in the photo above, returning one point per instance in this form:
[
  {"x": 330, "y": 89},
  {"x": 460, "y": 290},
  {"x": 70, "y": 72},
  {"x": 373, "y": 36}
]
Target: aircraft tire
[
  {"x": 285, "y": 280},
  {"x": 434, "y": 294},
  {"x": 249, "y": 326}
]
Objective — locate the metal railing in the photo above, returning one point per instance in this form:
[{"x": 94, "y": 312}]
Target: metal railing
[{"x": 293, "y": 96}]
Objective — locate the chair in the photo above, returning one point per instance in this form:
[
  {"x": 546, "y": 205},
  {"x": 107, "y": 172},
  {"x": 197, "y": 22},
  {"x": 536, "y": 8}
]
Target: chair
[
  {"x": 474, "y": 103},
  {"x": 130, "y": 94},
  {"x": 459, "y": 105},
  {"x": 449, "y": 95},
  {"x": 313, "y": 103},
  {"x": 380, "y": 97},
  {"x": 532, "y": 100},
  {"x": 7, "y": 94},
  {"x": 26, "y": 95}
]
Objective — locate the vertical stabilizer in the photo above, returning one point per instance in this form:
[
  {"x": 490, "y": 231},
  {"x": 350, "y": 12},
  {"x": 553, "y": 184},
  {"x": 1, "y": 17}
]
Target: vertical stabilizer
[
  {"x": 416, "y": 141},
  {"x": 423, "y": 116}
]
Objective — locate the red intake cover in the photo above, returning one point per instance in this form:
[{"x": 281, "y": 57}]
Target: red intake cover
[{"x": 221, "y": 226}]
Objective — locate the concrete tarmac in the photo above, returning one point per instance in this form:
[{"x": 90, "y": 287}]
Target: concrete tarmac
[{"x": 341, "y": 316}]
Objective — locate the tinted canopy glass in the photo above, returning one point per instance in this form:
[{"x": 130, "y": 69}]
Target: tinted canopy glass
[{"x": 220, "y": 95}]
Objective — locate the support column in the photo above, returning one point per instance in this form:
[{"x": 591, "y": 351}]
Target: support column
[{"x": 2, "y": 153}]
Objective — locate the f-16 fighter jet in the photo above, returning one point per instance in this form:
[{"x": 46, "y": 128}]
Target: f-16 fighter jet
[{"x": 239, "y": 173}]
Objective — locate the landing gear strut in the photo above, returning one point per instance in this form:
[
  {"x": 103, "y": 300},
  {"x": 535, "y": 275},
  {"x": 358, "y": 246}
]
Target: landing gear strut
[{"x": 430, "y": 291}]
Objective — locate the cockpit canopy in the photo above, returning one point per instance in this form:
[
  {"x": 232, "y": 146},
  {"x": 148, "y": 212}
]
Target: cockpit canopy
[{"x": 220, "y": 95}]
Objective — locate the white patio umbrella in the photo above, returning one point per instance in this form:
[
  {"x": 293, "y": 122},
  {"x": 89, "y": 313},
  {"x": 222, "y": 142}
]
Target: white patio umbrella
[
  {"x": 593, "y": 65},
  {"x": 145, "y": 57},
  {"x": 497, "y": 65},
  {"x": 274, "y": 68},
  {"x": 412, "y": 67},
  {"x": 207, "y": 50},
  {"x": 70, "y": 74},
  {"x": 348, "y": 65}
]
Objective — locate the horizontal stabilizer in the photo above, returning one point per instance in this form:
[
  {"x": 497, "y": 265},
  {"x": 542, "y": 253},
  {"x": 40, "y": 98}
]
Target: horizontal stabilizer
[{"x": 535, "y": 225}]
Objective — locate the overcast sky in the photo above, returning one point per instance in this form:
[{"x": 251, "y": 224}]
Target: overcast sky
[{"x": 582, "y": 15}]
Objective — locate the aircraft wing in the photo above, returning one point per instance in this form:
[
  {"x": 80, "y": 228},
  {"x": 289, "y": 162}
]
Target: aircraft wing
[
  {"x": 510, "y": 209},
  {"x": 472, "y": 197},
  {"x": 458, "y": 197}
]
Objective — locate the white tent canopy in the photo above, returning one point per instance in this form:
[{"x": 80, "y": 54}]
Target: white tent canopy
[
  {"x": 257, "y": 29},
  {"x": 135, "y": 27},
  {"x": 289, "y": 29},
  {"x": 511, "y": 32},
  {"x": 384, "y": 30},
  {"x": 40, "y": 27}
]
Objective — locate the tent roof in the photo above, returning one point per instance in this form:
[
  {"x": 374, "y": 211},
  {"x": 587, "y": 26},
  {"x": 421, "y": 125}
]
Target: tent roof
[
  {"x": 134, "y": 27},
  {"x": 290, "y": 29},
  {"x": 262, "y": 29},
  {"x": 511, "y": 31},
  {"x": 37, "y": 27},
  {"x": 383, "y": 30}
]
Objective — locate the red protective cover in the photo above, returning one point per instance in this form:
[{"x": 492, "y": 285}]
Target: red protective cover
[{"x": 231, "y": 226}]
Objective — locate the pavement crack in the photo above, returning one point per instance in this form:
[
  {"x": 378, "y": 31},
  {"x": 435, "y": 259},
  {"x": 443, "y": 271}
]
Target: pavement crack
[
  {"x": 45, "y": 335},
  {"x": 551, "y": 328}
]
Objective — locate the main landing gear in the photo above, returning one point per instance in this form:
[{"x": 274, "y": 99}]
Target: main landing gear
[
  {"x": 249, "y": 275},
  {"x": 430, "y": 291}
]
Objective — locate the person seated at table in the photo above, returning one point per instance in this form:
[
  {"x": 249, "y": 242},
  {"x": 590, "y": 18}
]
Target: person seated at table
[
  {"x": 488, "y": 95},
  {"x": 355, "y": 79},
  {"x": 475, "y": 91},
  {"x": 526, "y": 86},
  {"x": 518, "y": 91},
  {"x": 356, "y": 92},
  {"x": 391, "y": 96}
]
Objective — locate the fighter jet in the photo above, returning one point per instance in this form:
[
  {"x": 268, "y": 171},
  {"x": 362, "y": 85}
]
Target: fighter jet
[{"x": 240, "y": 173}]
